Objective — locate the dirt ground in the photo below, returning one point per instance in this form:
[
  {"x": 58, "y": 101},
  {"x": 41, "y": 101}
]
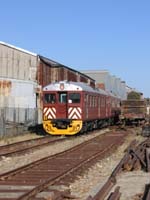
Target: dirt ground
[
  {"x": 27, "y": 136},
  {"x": 131, "y": 183}
]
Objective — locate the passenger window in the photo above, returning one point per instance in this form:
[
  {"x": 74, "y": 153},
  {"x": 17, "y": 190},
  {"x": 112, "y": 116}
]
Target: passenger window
[
  {"x": 74, "y": 98},
  {"x": 49, "y": 98}
]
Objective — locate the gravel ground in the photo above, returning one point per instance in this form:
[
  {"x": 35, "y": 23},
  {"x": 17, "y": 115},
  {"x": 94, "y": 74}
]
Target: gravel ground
[
  {"x": 132, "y": 184},
  {"x": 8, "y": 163},
  {"x": 95, "y": 177},
  {"x": 18, "y": 138}
]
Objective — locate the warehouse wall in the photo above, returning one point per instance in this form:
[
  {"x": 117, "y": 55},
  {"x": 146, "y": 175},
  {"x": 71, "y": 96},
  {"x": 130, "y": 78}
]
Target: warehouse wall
[
  {"x": 18, "y": 83},
  {"x": 18, "y": 104},
  {"x": 17, "y": 64},
  {"x": 108, "y": 82}
]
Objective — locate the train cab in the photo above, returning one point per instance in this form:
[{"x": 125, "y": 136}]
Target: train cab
[{"x": 62, "y": 112}]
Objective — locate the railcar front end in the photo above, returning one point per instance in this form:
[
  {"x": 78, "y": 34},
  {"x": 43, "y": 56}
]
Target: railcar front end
[{"x": 62, "y": 109}]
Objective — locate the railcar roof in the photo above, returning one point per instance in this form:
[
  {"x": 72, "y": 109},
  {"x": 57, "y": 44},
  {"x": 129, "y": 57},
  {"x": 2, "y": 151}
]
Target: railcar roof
[{"x": 69, "y": 86}]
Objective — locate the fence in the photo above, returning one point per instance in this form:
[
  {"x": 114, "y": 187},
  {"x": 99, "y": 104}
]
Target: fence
[{"x": 14, "y": 121}]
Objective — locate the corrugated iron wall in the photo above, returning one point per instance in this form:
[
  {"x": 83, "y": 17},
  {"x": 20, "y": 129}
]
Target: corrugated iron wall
[
  {"x": 16, "y": 120},
  {"x": 17, "y": 104},
  {"x": 108, "y": 82},
  {"x": 48, "y": 74},
  {"x": 18, "y": 83},
  {"x": 2, "y": 123},
  {"x": 72, "y": 76},
  {"x": 17, "y": 64},
  {"x": 61, "y": 74},
  {"x": 83, "y": 79}
]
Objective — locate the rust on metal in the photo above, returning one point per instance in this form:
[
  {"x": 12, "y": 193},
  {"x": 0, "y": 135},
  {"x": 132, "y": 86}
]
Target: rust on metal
[
  {"x": 115, "y": 195},
  {"x": 124, "y": 160},
  {"x": 27, "y": 146},
  {"x": 148, "y": 159},
  {"x": 146, "y": 195},
  {"x": 53, "y": 169},
  {"x": 138, "y": 157},
  {"x": 5, "y": 87},
  {"x": 105, "y": 189}
]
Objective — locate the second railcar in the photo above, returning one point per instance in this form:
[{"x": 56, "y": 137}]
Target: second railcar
[{"x": 133, "y": 110}]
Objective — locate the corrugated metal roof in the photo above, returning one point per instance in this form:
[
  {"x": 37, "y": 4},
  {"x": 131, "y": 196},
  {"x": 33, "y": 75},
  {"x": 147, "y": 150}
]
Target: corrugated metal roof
[
  {"x": 17, "y": 48},
  {"x": 50, "y": 62}
]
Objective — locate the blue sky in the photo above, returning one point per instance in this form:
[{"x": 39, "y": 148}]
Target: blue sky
[{"x": 84, "y": 34}]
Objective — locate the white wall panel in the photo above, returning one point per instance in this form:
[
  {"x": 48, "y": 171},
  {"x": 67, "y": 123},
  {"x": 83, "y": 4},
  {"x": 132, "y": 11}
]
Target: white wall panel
[{"x": 16, "y": 64}]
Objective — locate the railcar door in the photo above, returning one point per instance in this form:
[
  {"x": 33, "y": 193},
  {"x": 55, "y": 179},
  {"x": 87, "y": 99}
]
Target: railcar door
[{"x": 62, "y": 107}]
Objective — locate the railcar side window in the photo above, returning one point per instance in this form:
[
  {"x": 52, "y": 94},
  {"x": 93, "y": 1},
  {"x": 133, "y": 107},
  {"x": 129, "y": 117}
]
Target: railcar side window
[
  {"x": 74, "y": 98},
  {"x": 49, "y": 98}
]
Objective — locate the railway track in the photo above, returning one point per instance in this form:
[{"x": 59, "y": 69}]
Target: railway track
[
  {"x": 137, "y": 156},
  {"x": 26, "y": 182},
  {"x": 27, "y": 146}
]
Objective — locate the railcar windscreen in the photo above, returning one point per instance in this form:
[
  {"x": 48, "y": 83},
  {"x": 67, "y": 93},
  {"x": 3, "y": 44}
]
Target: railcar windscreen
[
  {"x": 74, "y": 98},
  {"x": 49, "y": 98}
]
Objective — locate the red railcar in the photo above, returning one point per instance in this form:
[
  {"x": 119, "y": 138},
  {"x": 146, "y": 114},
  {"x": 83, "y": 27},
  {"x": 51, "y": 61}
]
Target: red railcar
[{"x": 72, "y": 107}]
